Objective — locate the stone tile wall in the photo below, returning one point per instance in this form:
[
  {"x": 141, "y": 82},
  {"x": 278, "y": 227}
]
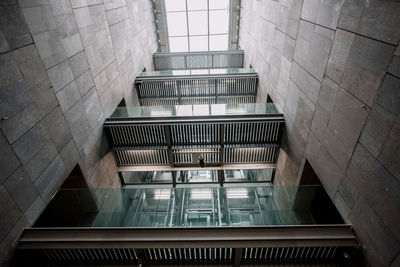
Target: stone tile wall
[
  {"x": 333, "y": 68},
  {"x": 64, "y": 67}
]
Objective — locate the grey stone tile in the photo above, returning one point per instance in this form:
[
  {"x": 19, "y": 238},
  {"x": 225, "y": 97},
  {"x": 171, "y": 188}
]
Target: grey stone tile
[
  {"x": 30, "y": 3},
  {"x": 371, "y": 55},
  {"x": 288, "y": 17},
  {"x": 339, "y": 151},
  {"x": 78, "y": 64},
  {"x": 31, "y": 143},
  {"x": 394, "y": 67},
  {"x": 116, "y": 15},
  {"x": 292, "y": 101},
  {"x": 33, "y": 71},
  {"x": 390, "y": 149},
  {"x": 60, "y": 7},
  {"x": 80, "y": 126},
  {"x": 312, "y": 48},
  {"x": 347, "y": 118},
  {"x": 9, "y": 71},
  {"x": 20, "y": 187},
  {"x": 39, "y": 19},
  {"x": 14, "y": 98},
  {"x": 111, "y": 4},
  {"x": 383, "y": 239},
  {"x": 341, "y": 206},
  {"x": 54, "y": 47},
  {"x": 41, "y": 160},
  {"x": 327, "y": 94},
  {"x": 25, "y": 53},
  {"x": 84, "y": 3},
  {"x": 14, "y": 32},
  {"x": 93, "y": 109},
  {"x": 57, "y": 128},
  {"x": 60, "y": 75},
  {"x": 380, "y": 20},
  {"x": 8, "y": 160},
  {"x": 68, "y": 96},
  {"x": 339, "y": 54},
  {"x": 328, "y": 172},
  {"x": 85, "y": 82},
  {"x": 312, "y": 149},
  {"x": 49, "y": 181},
  {"x": 284, "y": 44},
  {"x": 9, "y": 213},
  {"x": 361, "y": 82},
  {"x": 376, "y": 129},
  {"x": 307, "y": 83},
  {"x": 325, "y": 13},
  {"x": 319, "y": 122},
  {"x": 15, "y": 126},
  {"x": 34, "y": 210},
  {"x": 44, "y": 97},
  {"x": 70, "y": 156},
  {"x": 304, "y": 114},
  {"x": 389, "y": 94}
]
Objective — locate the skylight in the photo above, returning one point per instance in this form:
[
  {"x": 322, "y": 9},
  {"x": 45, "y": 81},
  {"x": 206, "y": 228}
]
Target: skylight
[{"x": 197, "y": 25}]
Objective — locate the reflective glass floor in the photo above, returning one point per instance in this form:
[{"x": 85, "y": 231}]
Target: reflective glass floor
[{"x": 182, "y": 207}]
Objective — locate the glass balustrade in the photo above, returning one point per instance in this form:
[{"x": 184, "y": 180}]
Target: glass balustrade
[
  {"x": 185, "y": 207},
  {"x": 186, "y": 111},
  {"x": 195, "y": 72}
]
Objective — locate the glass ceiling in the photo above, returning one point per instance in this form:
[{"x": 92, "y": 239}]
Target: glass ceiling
[{"x": 197, "y": 25}]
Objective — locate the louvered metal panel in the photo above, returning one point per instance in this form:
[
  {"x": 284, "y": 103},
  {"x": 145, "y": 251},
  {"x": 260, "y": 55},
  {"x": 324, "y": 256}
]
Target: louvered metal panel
[
  {"x": 250, "y": 153},
  {"x": 184, "y": 154},
  {"x": 141, "y": 155},
  {"x": 198, "y": 60},
  {"x": 137, "y": 135},
  {"x": 253, "y": 132},
  {"x": 197, "y": 90},
  {"x": 195, "y": 133}
]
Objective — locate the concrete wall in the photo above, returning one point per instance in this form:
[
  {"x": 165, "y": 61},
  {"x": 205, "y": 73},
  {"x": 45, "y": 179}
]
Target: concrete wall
[
  {"x": 64, "y": 67},
  {"x": 333, "y": 68}
]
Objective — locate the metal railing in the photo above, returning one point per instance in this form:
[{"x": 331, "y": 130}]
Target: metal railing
[
  {"x": 248, "y": 133},
  {"x": 198, "y": 60},
  {"x": 190, "y": 87}
]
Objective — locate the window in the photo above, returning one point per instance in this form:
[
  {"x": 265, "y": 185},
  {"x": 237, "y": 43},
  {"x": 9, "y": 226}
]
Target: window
[{"x": 197, "y": 25}]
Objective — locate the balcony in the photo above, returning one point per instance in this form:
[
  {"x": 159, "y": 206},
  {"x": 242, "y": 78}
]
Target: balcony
[
  {"x": 203, "y": 86},
  {"x": 198, "y": 60},
  {"x": 227, "y": 225},
  {"x": 178, "y": 136}
]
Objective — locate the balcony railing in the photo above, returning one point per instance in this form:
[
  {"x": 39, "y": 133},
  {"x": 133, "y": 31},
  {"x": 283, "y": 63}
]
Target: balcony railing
[
  {"x": 227, "y": 225},
  {"x": 179, "y": 135},
  {"x": 198, "y": 60},
  {"x": 206, "y": 86}
]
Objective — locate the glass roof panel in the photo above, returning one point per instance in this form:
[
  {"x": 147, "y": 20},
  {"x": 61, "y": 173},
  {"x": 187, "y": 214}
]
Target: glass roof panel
[
  {"x": 177, "y": 23},
  {"x": 197, "y": 4},
  {"x": 219, "y": 4},
  {"x": 178, "y": 44},
  {"x": 175, "y": 5},
  {"x": 198, "y": 43},
  {"x": 198, "y": 24},
  {"x": 219, "y": 21},
  {"x": 219, "y": 42}
]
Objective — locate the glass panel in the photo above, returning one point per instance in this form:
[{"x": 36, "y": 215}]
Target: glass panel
[
  {"x": 177, "y": 24},
  {"x": 193, "y": 110},
  {"x": 197, "y": 4},
  {"x": 175, "y": 5},
  {"x": 196, "y": 72},
  {"x": 147, "y": 177},
  {"x": 219, "y": 21},
  {"x": 198, "y": 24},
  {"x": 186, "y": 207},
  {"x": 219, "y": 4},
  {"x": 198, "y": 43},
  {"x": 178, "y": 44},
  {"x": 218, "y": 42}
]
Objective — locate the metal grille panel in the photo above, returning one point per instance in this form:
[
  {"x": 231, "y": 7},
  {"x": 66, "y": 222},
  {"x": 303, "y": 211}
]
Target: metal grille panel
[
  {"x": 250, "y": 154},
  {"x": 137, "y": 135},
  {"x": 198, "y": 60},
  {"x": 195, "y": 134},
  {"x": 141, "y": 156},
  {"x": 184, "y": 154},
  {"x": 252, "y": 132}
]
